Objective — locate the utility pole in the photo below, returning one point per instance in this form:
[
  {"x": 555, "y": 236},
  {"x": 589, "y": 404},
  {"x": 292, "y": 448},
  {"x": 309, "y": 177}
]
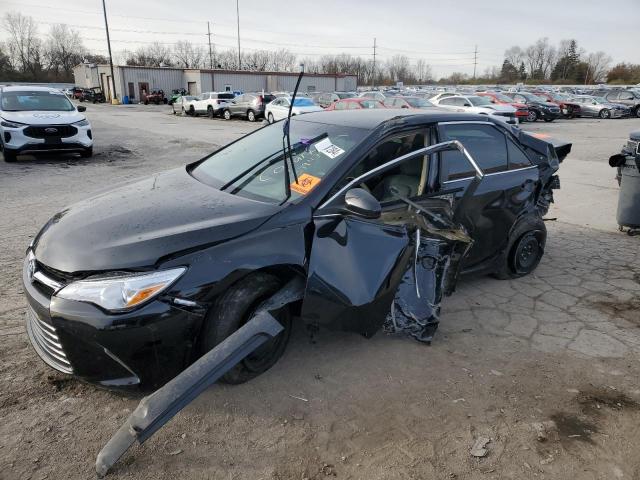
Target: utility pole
[
  {"x": 210, "y": 51},
  {"x": 238, "y": 18},
  {"x": 106, "y": 26},
  {"x": 475, "y": 61},
  {"x": 373, "y": 68}
]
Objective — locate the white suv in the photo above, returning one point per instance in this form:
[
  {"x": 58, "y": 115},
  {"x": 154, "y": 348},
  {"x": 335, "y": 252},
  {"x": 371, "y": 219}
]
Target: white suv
[
  {"x": 210, "y": 103},
  {"x": 41, "y": 119}
]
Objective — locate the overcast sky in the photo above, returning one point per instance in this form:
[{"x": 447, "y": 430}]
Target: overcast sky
[{"x": 443, "y": 33}]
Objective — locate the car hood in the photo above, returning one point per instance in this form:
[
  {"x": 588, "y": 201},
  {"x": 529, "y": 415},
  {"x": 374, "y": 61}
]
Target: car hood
[
  {"x": 43, "y": 117},
  {"x": 501, "y": 108},
  {"x": 135, "y": 225}
]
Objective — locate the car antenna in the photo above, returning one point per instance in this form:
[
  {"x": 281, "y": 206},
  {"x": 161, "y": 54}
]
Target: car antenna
[{"x": 286, "y": 149}]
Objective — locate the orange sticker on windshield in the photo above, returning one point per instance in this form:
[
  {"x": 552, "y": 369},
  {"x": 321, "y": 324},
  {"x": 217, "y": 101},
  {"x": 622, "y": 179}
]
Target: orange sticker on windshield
[{"x": 305, "y": 184}]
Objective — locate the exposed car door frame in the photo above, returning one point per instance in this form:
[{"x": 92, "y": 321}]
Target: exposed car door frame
[{"x": 375, "y": 254}]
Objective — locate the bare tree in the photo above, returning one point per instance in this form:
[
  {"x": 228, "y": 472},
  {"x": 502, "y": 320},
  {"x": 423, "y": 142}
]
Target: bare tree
[
  {"x": 540, "y": 58},
  {"x": 423, "y": 71},
  {"x": 597, "y": 67},
  {"x": 514, "y": 55},
  {"x": 154, "y": 55},
  {"x": 399, "y": 68},
  {"x": 188, "y": 56},
  {"x": 24, "y": 47},
  {"x": 63, "y": 51}
]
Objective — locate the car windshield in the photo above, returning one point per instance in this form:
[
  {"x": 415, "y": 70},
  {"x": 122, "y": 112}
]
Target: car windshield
[
  {"x": 342, "y": 95},
  {"x": 503, "y": 98},
  {"x": 36, "y": 101},
  {"x": 533, "y": 98},
  {"x": 303, "y": 102},
  {"x": 419, "y": 102},
  {"x": 479, "y": 101},
  {"x": 601, "y": 100},
  {"x": 253, "y": 166},
  {"x": 371, "y": 104}
]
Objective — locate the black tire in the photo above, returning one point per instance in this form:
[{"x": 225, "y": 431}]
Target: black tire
[
  {"x": 636, "y": 112},
  {"x": 87, "y": 153},
  {"x": 226, "y": 114},
  {"x": 232, "y": 310},
  {"x": 532, "y": 116},
  {"x": 210, "y": 113},
  {"x": 80, "y": 99},
  {"x": 9, "y": 156},
  {"x": 525, "y": 249},
  {"x": 270, "y": 118},
  {"x": 192, "y": 111},
  {"x": 164, "y": 100},
  {"x": 146, "y": 102},
  {"x": 548, "y": 120},
  {"x": 251, "y": 115},
  {"x": 604, "y": 113}
]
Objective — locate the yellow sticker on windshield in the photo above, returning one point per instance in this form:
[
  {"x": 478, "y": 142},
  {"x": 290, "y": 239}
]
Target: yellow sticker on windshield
[{"x": 305, "y": 184}]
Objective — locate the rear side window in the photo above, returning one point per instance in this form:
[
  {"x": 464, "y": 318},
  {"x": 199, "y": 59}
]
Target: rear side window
[
  {"x": 486, "y": 145},
  {"x": 226, "y": 96},
  {"x": 517, "y": 158}
]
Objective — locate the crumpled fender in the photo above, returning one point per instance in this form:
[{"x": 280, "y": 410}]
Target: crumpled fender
[{"x": 161, "y": 406}]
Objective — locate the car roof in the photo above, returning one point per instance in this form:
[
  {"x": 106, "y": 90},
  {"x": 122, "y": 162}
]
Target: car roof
[
  {"x": 374, "y": 117},
  {"x": 28, "y": 88}
]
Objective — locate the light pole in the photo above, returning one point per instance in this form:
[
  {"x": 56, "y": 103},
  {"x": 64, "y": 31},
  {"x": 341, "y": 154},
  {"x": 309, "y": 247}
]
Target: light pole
[
  {"x": 238, "y": 18},
  {"x": 106, "y": 26}
]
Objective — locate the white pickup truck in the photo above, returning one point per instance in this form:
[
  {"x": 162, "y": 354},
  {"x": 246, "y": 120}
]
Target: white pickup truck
[{"x": 209, "y": 103}]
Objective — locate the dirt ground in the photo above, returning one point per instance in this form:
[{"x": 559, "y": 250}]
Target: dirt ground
[{"x": 540, "y": 374}]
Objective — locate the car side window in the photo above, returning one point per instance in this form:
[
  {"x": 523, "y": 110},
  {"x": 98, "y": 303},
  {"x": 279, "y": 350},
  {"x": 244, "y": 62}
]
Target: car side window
[
  {"x": 625, "y": 96},
  {"x": 448, "y": 101},
  {"x": 341, "y": 105},
  {"x": 353, "y": 105},
  {"x": 517, "y": 158},
  {"x": 486, "y": 144}
]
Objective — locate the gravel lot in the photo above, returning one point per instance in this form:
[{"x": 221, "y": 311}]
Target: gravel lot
[{"x": 545, "y": 367}]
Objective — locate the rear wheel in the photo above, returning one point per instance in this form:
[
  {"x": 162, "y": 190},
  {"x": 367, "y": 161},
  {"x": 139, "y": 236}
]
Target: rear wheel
[
  {"x": 232, "y": 310},
  {"x": 604, "y": 113},
  {"x": 251, "y": 116},
  {"x": 532, "y": 116},
  {"x": 270, "y": 117},
  {"x": 210, "y": 113},
  {"x": 525, "y": 248},
  {"x": 227, "y": 114}
]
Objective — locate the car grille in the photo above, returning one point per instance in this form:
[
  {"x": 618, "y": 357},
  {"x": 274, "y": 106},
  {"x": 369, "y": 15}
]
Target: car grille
[
  {"x": 45, "y": 341},
  {"x": 48, "y": 131},
  {"x": 554, "y": 109}
]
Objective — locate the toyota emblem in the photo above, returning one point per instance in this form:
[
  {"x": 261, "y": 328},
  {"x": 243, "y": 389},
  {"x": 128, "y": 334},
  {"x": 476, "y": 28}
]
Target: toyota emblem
[{"x": 51, "y": 130}]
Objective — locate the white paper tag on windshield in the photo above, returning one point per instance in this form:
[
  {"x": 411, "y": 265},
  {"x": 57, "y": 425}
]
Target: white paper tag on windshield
[{"x": 329, "y": 149}]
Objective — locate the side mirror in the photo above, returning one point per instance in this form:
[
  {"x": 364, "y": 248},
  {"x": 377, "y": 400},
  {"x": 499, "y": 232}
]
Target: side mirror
[
  {"x": 405, "y": 106},
  {"x": 81, "y": 108},
  {"x": 361, "y": 203}
]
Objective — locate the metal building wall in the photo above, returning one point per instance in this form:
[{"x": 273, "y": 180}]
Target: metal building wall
[
  {"x": 165, "y": 79},
  {"x": 308, "y": 84},
  {"x": 347, "y": 83},
  {"x": 246, "y": 82}
]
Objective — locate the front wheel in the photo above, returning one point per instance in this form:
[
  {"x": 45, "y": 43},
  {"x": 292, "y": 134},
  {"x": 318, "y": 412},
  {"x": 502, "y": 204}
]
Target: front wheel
[
  {"x": 210, "y": 113},
  {"x": 227, "y": 114},
  {"x": 532, "y": 116},
  {"x": 524, "y": 250},
  {"x": 604, "y": 113},
  {"x": 9, "y": 156},
  {"x": 232, "y": 310},
  {"x": 270, "y": 117},
  {"x": 251, "y": 116}
]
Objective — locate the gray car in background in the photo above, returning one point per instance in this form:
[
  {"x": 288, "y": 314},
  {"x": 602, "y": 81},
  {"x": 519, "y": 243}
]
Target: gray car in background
[
  {"x": 248, "y": 105},
  {"x": 591, "y": 106},
  {"x": 326, "y": 99}
]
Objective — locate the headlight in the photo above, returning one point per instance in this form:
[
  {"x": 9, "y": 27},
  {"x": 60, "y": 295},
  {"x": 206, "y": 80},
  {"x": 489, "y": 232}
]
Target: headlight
[
  {"x": 9, "y": 124},
  {"x": 82, "y": 123},
  {"x": 121, "y": 292}
]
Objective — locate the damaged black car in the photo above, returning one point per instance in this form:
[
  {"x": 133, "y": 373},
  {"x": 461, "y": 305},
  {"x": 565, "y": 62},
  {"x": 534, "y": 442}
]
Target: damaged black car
[{"x": 361, "y": 221}]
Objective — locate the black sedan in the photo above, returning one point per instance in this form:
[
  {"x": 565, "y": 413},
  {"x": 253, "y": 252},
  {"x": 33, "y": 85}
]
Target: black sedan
[
  {"x": 372, "y": 213},
  {"x": 539, "y": 108}
]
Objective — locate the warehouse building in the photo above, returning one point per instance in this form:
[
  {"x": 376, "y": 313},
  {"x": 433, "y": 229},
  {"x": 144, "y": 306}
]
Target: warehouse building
[{"x": 136, "y": 82}]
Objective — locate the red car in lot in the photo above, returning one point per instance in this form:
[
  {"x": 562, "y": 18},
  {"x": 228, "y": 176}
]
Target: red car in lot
[
  {"x": 522, "y": 111},
  {"x": 567, "y": 108},
  {"x": 358, "y": 103}
]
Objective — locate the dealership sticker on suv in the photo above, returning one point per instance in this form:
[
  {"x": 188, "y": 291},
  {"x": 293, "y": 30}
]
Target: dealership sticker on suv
[
  {"x": 305, "y": 184},
  {"x": 329, "y": 149}
]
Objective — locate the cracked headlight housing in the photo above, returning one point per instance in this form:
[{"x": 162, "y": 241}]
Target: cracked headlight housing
[{"x": 121, "y": 292}]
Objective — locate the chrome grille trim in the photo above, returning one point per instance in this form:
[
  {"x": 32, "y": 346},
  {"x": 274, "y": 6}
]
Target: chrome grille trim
[
  {"x": 49, "y": 282},
  {"x": 46, "y": 343}
]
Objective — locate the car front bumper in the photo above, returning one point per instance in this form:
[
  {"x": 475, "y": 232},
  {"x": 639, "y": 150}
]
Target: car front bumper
[
  {"x": 16, "y": 140},
  {"x": 145, "y": 347}
]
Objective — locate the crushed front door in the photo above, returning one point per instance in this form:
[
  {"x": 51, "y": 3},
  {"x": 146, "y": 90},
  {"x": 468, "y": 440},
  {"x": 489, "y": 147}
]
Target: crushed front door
[{"x": 358, "y": 268}]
